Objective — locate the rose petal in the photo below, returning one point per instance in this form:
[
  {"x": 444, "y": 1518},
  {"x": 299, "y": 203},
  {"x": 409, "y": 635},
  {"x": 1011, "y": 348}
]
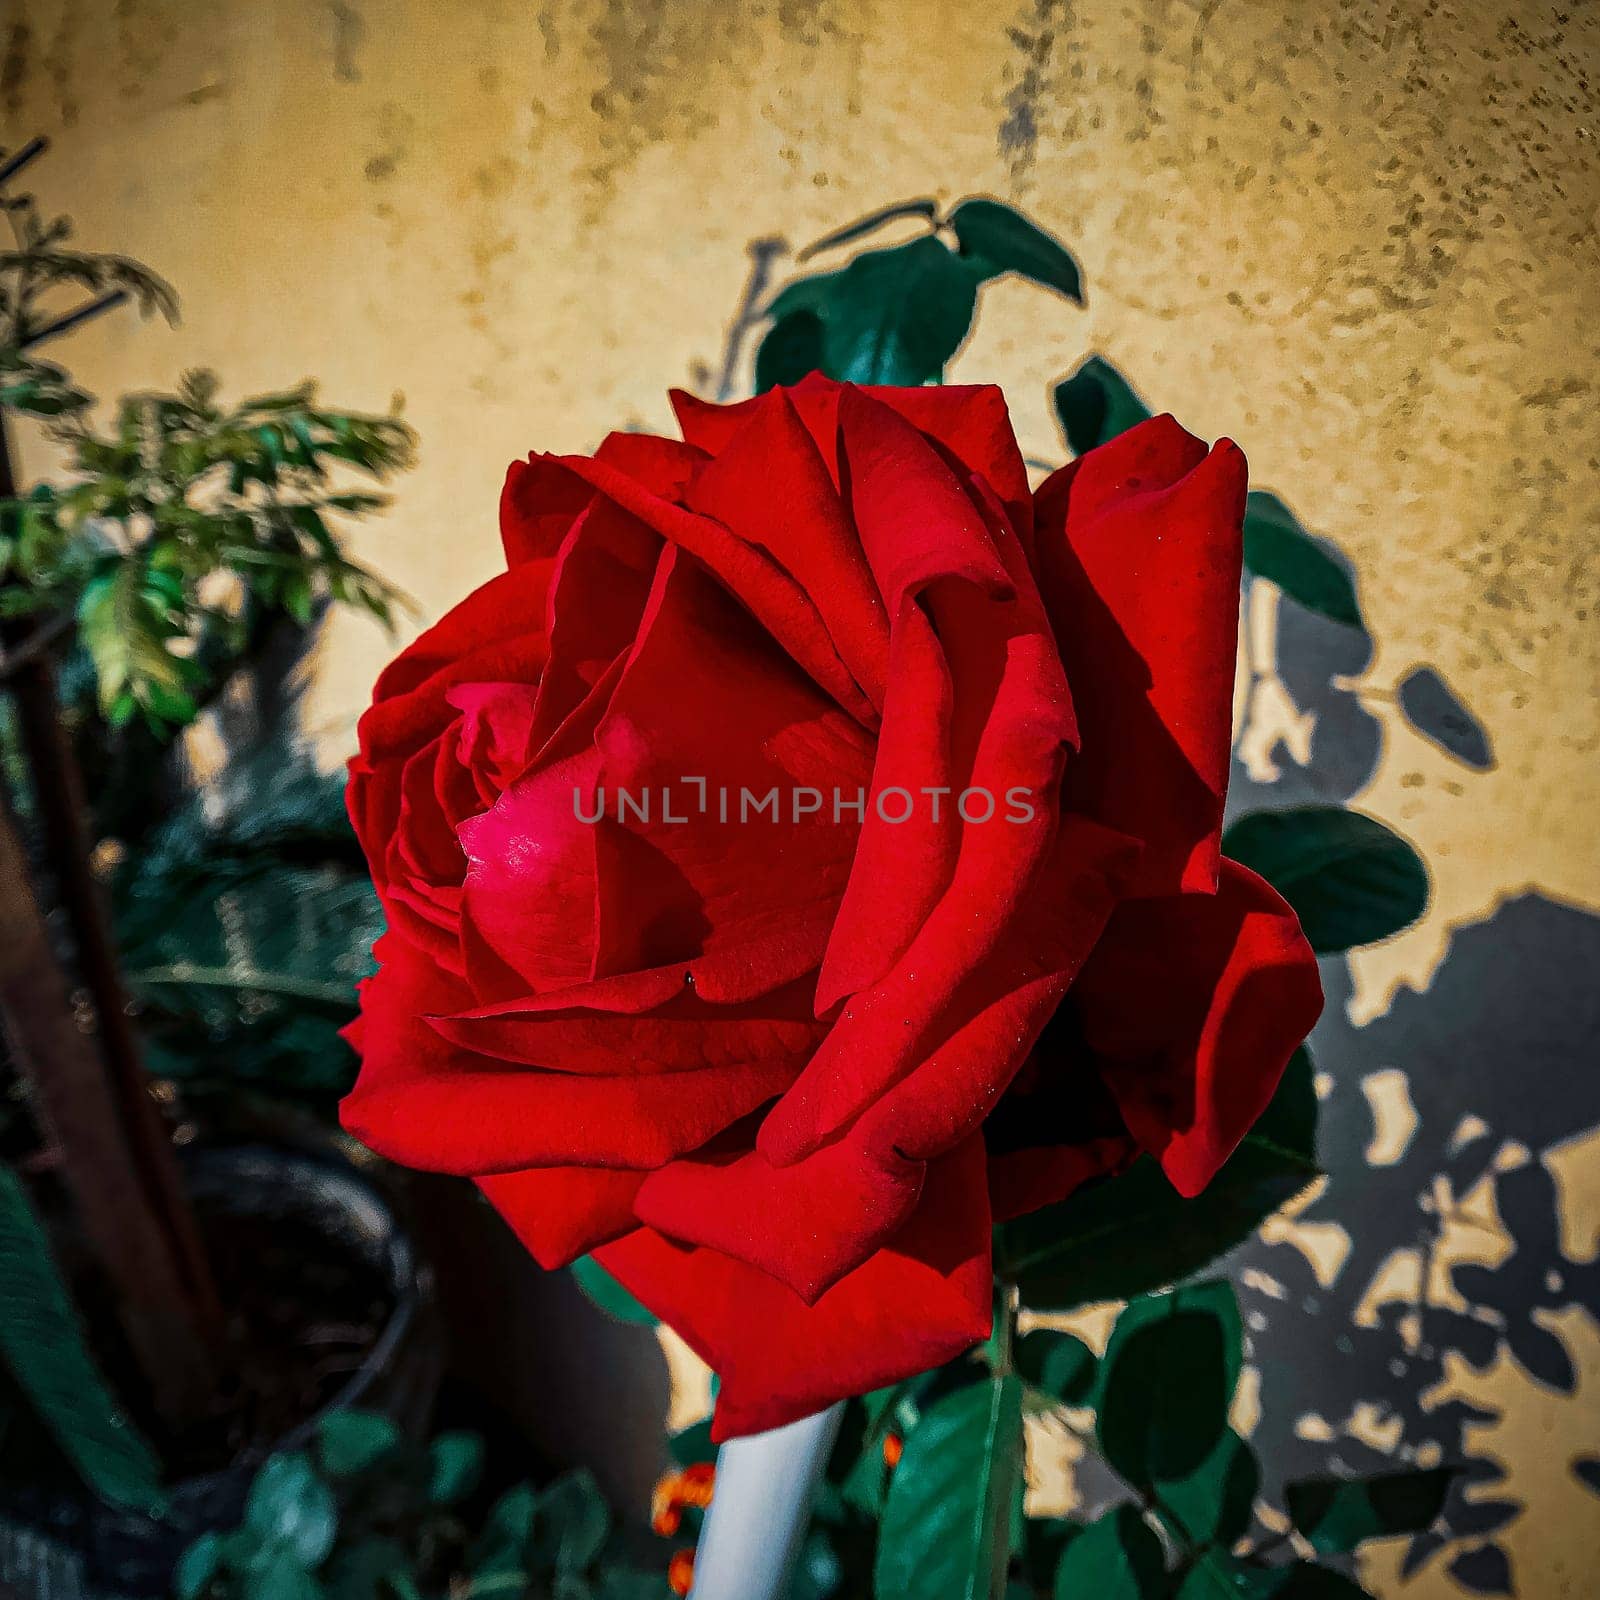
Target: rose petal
[
  {"x": 1139, "y": 550},
  {"x": 561, "y": 1213},
  {"x": 769, "y": 484},
  {"x": 911, "y": 1306},
  {"x": 1192, "y": 1005},
  {"x": 427, "y": 1103}
]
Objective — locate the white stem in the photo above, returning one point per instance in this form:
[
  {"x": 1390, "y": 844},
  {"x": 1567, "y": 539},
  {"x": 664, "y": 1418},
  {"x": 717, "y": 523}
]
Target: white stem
[{"x": 760, "y": 1510}]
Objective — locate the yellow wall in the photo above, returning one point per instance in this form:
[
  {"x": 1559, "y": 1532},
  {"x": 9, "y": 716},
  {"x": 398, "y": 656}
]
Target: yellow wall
[{"x": 1358, "y": 237}]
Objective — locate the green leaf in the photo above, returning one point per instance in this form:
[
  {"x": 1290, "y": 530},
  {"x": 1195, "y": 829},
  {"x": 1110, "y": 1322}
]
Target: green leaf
[
  {"x": 1350, "y": 879},
  {"x": 792, "y": 348},
  {"x": 1278, "y": 548},
  {"x": 1216, "y": 1575},
  {"x": 197, "y": 1566},
  {"x": 1337, "y": 1515},
  {"x": 1116, "y": 1557},
  {"x": 1095, "y": 404},
  {"x": 501, "y": 1547},
  {"x": 455, "y": 1464},
  {"x": 1058, "y": 1363},
  {"x": 281, "y": 1576},
  {"x": 43, "y": 1344},
  {"x": 892, "y": 316},
  {"x": 349, "y": 1442},
  {"x": 605, "y": 1292},
  {"x": 946, "y": 1521},
  {"x": 1134, "y": 1233},
  {"x": 692, "y": 1444},
  {"x": 368, "y": 1569},
  {"x": 1213, "y": 1504},
  {"x": 1166, "y": 1382},
  {"x": 997, "y": 239},
  {"x": 572, "y": 1522},
  {"x": 290, "y": 1506}
]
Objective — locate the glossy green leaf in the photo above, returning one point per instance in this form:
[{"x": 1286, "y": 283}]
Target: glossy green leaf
[
  {"x": 605, "y": 1292},
  {"x": 349, "y": 1442},
  {"x": 289, "y": 1506},
  {"x": 1166, "y": 1382},
  {"x": 1097, "y": 403},
  {"x": 455, "y": 1464},
  {"x": 998, "y": 239},
  {"x": 1338, "y": 1514},
  {"x": 1116, "y": 1557},
  {"x": 1214, "y": 1502},
  {"x": 1350, "y": 879},
  {"x": 1278, "y": 548},
  {"x": 792, "y": 347},
  {"x": 1060, "y": 1364},
  {"x": 946, "y": 1520},
  {"x": 1134, "y": 1233},
  {"x": 892, "y": 316},
  {"x": 42, "y": 1343}
]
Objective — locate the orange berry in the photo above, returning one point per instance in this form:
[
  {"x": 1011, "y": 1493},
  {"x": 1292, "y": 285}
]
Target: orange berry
[
  {"x": 680, "y": 1572},
  {"x": 666, "y": 1521},
  {"x": 893, "y": 1448}
]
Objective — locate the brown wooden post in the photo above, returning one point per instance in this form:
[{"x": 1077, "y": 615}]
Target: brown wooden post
[{"x": 81, "y": 1059}]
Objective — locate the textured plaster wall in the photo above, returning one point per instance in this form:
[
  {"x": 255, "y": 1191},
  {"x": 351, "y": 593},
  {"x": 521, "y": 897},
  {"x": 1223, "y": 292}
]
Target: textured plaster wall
[{"x": 1358, "y": 237}]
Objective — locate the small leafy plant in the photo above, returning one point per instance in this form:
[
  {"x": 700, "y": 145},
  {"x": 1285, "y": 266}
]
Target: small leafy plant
[
  {"x": 179, "y": 491},
  {"x": 365, "y": 1512},
  {"x": 183, "y": 537}
]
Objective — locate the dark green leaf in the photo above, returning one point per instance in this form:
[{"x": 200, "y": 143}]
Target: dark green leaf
[
  {"x": 281, "y": 1576},
  {"x": 946, "y": 1520},
  {"x": 1214, "y": 1502},
  {"x": 1350, "y": 879},
  {"x": 892, "y": 316},
  {"x": 375, "y": 1568},
  {"x": 290, "y": 1506},
  {"x": 870, "y": 223},
  {"x": 1097, "y": 403},
  {"x": 1117, "y": 1557},
  {"x": 501, "y": 1547},
  {"x": 1219, "y": 1576},
  {"x": 348, "y": 1442},
  {"x": 1134, "y": 1233},
  {"x": 571, "y": 1522},
  {"x": 455, "y": 1464},
  {"x": 197, "y": 1566},
  {"x": 791, "y": 349},
  {"x": 43, "y": 1345},
  {"x": 692, "y": 1444},
  {"x": 1338, "y": 1514},
  {"x": 997, "y": 239},
  {"x": 605, "y": 1292},
  {"x": 1166, "y": 1382},
  {"x": 1278, "y": 548},
  {"x": 1058, "y": 1363}
]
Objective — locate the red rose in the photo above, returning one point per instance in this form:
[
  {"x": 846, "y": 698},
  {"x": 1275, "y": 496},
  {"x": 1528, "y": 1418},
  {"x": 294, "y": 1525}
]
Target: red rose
[{"x": 782, "y": 1072}]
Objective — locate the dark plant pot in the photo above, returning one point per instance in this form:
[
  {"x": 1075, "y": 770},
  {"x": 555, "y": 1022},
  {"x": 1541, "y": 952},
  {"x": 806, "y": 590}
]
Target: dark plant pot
[{"x": 124, "y": 1554}]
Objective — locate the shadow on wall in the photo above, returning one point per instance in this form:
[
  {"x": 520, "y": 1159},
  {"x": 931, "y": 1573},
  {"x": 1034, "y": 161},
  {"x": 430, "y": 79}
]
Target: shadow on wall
[{"x": 1436, "y": 1248}]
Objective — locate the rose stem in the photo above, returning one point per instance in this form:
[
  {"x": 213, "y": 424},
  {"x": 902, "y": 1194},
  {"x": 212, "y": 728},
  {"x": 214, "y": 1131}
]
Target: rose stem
[{"x": 761, "y": 1509}]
